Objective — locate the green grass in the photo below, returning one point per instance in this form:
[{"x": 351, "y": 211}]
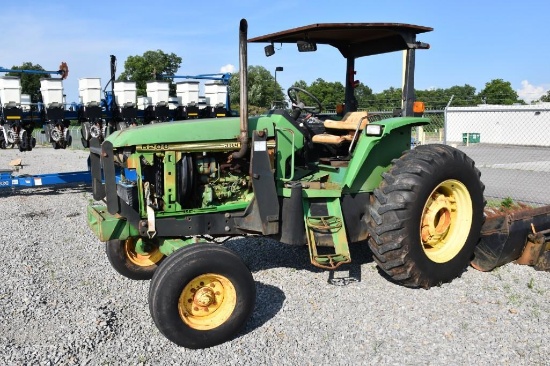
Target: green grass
[
  {"x": 507, "y": 203},
  {"x": 500, "y": 203}
]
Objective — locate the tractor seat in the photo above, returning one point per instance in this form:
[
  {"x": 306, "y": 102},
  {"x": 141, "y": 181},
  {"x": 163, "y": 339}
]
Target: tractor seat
[
  {"x": 349, "y": 122},
  {"x": 348, "y": 125},
  {"x": 327, "y": 138}
]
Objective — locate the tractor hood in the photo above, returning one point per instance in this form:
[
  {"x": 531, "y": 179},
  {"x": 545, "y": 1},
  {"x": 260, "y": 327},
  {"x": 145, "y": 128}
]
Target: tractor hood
[{"x": 186, "y": 131}]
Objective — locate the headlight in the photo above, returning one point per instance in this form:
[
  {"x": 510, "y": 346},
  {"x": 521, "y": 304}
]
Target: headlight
[{"x": 374, "y": 130}]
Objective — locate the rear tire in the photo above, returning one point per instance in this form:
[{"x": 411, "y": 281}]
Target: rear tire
[
  {"x": 201, "y": 296},
  {"x": 126, "y": 261},
  {"x": 426, "y": 216}
]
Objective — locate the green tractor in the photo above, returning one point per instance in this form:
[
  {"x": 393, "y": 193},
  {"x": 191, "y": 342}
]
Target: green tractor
[{"x": 301, "y": 177}]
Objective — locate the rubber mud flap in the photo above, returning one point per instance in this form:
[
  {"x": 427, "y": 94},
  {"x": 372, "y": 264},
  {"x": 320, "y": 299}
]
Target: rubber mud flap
[{"x": 503, "y": 237}]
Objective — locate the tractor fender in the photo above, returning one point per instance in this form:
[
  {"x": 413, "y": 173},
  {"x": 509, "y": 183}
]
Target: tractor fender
[
  {"x": 391, "y": 124},
  {"x": 373, "y": 154}
]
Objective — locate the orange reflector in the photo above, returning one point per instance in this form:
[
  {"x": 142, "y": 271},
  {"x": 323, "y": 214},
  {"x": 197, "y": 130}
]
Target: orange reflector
[
  {"x": 13, "y": 117},
  {"x": 419, "y": 107}
]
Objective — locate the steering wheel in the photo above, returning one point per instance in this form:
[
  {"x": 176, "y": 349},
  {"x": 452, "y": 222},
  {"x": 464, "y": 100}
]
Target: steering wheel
[{"x": 297, "y": 104}]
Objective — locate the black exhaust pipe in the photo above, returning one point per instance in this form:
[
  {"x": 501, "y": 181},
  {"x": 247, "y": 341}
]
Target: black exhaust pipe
[{"x": 243, "y": 80}]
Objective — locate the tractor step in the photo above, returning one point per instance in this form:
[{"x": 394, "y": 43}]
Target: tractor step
[
  {"x": 327, "y": 223},
  {"x": 325, "y": 228}
]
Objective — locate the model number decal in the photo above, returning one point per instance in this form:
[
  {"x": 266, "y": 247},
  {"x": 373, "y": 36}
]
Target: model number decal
[
  {"x": 232, "y": 145},
  {"x": 155, "y": 147}
]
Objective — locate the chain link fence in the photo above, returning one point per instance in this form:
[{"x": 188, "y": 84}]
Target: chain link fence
[{"x": 510, "y": 145}]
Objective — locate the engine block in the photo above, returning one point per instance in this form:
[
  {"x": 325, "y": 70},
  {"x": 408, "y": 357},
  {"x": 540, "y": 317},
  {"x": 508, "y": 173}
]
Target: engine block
[{"x": 173, "y": 182}]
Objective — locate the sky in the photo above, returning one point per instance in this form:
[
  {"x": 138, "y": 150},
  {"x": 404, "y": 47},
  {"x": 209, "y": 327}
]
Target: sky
[{"x": 473, "y": 42}]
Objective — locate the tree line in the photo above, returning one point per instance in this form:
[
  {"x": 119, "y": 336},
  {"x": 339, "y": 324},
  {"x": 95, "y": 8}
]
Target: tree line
[{"x": 263, "y": 89}]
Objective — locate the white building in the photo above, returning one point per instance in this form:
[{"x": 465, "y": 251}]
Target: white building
[{"x": 500, "y": 124}]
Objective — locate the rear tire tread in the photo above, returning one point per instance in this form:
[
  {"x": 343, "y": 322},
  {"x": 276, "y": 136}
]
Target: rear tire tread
[{"x": 393, "y": 240}]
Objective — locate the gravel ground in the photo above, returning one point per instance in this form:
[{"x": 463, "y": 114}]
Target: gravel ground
[{"x": 62, "y": 304}]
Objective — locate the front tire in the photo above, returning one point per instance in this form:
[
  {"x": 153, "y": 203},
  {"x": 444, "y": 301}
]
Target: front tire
[
  {"x": 426, "y": 216},
  {"x": 125, "y": 260},
  {"x": 201, "y": 296}
]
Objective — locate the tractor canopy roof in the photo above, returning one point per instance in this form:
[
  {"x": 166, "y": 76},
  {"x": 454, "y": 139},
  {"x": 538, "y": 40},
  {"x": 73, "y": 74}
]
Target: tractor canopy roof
[{"x": 352, "y": 39}]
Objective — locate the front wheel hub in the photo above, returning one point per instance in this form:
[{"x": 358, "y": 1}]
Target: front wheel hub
[
  {"x": 207, "y": 301},
  {"x": 151, "y": 257},
  {"x": 204, "y": 297}
]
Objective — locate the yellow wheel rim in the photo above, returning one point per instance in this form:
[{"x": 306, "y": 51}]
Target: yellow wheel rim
[
  {"x": 446, "y": 221},
  {"x": 207, "y": 301},
  {"x": 142, "y": 260}
]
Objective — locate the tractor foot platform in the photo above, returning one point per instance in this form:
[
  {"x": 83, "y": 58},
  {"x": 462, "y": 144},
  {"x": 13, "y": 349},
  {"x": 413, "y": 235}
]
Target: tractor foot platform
[{"x": 325, "y": 228}]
